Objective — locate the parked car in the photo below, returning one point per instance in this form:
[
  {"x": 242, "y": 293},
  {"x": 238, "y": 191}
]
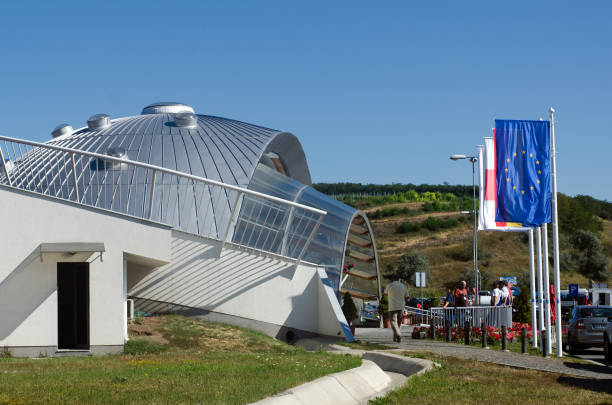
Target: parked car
[
  {"x": 369, "y": 316},
  {"x": 586, "y": 326},
  {"x": 608, "y": 340},
  {"x": 426, "y": 303},
  {"x": 485, "y": 298}
]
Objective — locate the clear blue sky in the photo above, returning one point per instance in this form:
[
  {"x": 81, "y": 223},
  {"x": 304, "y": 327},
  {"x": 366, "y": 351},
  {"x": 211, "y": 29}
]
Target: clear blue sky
[{"x": 376, "y": 91}]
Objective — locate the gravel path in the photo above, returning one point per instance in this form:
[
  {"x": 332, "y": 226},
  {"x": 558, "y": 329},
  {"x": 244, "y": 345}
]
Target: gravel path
[{"x": 384, "y": 336}]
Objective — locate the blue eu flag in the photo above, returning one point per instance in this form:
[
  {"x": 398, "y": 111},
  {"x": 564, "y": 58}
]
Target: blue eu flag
[{"x": 523, "y": 171}]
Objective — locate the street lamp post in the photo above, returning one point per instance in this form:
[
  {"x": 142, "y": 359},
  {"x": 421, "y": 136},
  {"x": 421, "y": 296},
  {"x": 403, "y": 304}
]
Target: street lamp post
[{"x": 473, "y": 159}]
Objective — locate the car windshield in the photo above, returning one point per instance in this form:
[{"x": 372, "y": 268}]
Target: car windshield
[{"x": 595, "y": 312}]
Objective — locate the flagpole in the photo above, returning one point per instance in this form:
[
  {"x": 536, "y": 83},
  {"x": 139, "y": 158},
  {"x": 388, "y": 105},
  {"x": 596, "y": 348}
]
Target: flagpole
[
  {"x": 555, "y": 224},
  {"x": 546, "y": 286},
  {"x": 540, "y": 292},
  {"x": 534, "y": 319}
]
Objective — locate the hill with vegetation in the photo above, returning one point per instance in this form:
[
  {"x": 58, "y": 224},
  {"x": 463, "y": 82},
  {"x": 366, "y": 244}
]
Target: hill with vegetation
[{"x": 429, "y": 227}]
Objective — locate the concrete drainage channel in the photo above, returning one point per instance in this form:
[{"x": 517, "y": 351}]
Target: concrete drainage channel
[{"x": 378, "y": 374}]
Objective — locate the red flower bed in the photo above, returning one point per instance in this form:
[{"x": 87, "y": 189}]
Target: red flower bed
[{"x": 494, "y": 335}]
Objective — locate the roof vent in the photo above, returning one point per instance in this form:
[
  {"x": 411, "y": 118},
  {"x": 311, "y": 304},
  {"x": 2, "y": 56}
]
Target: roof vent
[
  {"x": 98, "y": 121},
  {"x": 116, "y": 152},
  {"x": 185, "y": 120},
  {"x": 61, "y": 129},
  {"x": 167, "y": 107}
]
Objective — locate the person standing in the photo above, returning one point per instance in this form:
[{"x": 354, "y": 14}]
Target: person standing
[
  {"x": 450, "y": 298},
  {"x": 509, "y": 290},
  {"x": 505, "y": 292},
  {"x": 496, "y": 295},
  {"x": 449, "y": 303},
  {"x": 461, "y": 295},
  {"x": 398, "y": 294}
]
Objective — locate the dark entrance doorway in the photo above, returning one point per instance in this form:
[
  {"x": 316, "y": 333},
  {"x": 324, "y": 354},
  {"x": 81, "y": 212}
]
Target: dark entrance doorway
[{"x": 73, "y": 305}]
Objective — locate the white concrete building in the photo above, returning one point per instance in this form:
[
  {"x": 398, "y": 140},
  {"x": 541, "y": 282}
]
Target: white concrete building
[{"x": 177, "y": 212}]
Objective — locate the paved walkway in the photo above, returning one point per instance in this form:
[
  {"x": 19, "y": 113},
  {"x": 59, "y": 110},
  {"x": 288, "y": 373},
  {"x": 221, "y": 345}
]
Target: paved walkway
[{"x": 384, "y": 336}]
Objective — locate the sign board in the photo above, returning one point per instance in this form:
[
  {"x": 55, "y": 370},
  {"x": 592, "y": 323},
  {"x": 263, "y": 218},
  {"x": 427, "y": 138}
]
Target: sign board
[
  {"x": 573, "y": 290},
  {"x": 599, "y": 285},
  {"x": 511, "y": 281},
  {"x": 420, "y": 278}
]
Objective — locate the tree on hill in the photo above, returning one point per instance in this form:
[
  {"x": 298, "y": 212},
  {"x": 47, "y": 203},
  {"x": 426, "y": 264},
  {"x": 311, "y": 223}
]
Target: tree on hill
[
  {"x": 395, "y": 188},
  {"x": 467, "y": 274},
  {"x": 597, "y": 207},
  {"x": 574, "y": 216},
  {"x": 588, "y": 256},
  {"x": 411, "y": 263}
]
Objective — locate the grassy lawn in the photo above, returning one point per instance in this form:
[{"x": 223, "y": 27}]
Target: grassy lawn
[
  {"x": 471, "y": 382},
  {"x": 173, "y": 360}
]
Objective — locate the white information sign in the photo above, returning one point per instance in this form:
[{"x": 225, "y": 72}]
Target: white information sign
[{"x": 420, "y": 278}]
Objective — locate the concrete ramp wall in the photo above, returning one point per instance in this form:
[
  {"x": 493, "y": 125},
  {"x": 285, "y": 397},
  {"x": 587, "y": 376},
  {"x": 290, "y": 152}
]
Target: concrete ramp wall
[{"x": 242, "y": 287}]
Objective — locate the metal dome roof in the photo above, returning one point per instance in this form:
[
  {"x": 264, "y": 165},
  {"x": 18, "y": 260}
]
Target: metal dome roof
[{"x": 216, "y": 148}]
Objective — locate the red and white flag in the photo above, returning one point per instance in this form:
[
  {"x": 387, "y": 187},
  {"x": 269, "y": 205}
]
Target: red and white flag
[{"x": 488, "y": 192}]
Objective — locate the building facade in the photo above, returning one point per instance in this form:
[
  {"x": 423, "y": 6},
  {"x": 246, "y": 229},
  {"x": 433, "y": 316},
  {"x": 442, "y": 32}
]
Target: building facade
[{"x": 177, "y": 212}]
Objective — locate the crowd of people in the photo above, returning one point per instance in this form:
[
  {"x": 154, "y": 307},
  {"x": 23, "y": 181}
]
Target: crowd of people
[
  {"x": 397, "y": 293},
  {"x": 501, "y": 295}
]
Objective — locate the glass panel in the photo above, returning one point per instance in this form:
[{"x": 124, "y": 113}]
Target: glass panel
[{"x": 279, "y": 229}]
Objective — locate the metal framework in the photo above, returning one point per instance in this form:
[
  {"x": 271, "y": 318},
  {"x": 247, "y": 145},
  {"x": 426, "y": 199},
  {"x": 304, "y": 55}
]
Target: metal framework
[{"x": 183, "y": 201}]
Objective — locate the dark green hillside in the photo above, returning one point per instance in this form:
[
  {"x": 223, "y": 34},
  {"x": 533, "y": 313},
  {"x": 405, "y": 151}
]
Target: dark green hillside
[{"x": 434, "y": 221}]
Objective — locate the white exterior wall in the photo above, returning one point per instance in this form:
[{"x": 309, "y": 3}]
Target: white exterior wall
[
  {"x": 28, "y": 288},
  {"x": 239, "y": 283}
]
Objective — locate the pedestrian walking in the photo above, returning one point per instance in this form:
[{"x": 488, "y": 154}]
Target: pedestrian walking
[{"x": 398, "y": 294}]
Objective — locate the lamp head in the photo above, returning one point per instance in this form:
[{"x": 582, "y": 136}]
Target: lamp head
[{"x": 458, "y": 157}]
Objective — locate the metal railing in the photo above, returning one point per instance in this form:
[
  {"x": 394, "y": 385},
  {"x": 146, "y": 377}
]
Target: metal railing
[
  {"x": 458, "y": 316},
  {"x": 186, "y": 202}
]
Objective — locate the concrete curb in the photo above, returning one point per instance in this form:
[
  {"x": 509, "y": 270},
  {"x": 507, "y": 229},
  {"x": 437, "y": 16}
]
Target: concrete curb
[{"x": 355, "y": 386}]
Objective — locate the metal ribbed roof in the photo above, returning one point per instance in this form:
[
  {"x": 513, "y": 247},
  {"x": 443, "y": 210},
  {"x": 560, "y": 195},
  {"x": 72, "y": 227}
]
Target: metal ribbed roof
[{"x": 217, "y": 148}]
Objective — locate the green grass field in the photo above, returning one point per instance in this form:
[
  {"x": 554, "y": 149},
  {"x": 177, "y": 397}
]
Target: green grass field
[
  {"x": 187, "y": 361},
  {"x": 460, "y": 381}
]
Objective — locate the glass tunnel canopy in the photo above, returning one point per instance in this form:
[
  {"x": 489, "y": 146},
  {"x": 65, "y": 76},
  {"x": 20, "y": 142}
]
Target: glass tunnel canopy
[{"x": 343, "y": 243}]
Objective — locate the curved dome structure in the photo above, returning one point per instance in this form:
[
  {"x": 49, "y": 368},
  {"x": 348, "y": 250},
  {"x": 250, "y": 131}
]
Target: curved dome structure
[
  {"x": 171, "y": 136},
  {"x": 171, "y": 211}
]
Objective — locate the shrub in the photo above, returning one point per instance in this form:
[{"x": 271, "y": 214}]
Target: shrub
[
  {"x": 348, "y": 308},
  {"x": 407, "y": 227}
]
